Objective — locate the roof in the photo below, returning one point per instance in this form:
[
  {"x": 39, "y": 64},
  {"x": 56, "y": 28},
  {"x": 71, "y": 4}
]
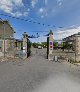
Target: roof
[
  {"x": 6, "y": 21},
  {"x": 70, "y": 37},
  {"x": 18, "y": 40}
]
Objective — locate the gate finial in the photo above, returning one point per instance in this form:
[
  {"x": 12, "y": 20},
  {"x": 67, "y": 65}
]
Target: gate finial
[
  {"x": 25, "y": 35},
  {"x": 50, "y": 33}
]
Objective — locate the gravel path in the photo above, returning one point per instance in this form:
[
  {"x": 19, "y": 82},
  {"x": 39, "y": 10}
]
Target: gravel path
[{"x": 37, "y": 74}]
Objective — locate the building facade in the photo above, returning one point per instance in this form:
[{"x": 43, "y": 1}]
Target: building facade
[
  {"x": 6, "y": 36},
  {"x": 74, "y": 40},
  {"x": 6, "y": 31}
]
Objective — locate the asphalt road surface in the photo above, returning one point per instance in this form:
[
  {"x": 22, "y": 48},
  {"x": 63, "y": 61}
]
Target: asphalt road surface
[{"x": 37, "y": 74}]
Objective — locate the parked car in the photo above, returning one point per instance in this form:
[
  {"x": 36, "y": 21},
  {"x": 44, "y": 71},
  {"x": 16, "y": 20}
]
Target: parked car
[{"x": 39, "y": 47}]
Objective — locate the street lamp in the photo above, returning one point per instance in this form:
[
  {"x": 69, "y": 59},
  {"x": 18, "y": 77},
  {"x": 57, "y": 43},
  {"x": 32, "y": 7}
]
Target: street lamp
[{"x": 3, "y": 34}]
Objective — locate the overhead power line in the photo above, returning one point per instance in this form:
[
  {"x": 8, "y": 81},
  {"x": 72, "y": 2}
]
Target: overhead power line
[{"x": 27, "y": 20}]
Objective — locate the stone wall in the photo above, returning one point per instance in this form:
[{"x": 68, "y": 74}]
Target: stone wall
[{"x": 6, "y": 30}]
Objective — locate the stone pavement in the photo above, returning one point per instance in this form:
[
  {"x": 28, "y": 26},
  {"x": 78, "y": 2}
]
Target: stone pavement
[{"x": 37, "y": 74}]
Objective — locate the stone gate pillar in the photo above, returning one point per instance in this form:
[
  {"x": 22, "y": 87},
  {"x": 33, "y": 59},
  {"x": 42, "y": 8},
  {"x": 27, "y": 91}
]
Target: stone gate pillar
[
  {"x": 77, "y": 48},
  {"x": 50, "y": 57},
  {"x": 25, "y": 36}
]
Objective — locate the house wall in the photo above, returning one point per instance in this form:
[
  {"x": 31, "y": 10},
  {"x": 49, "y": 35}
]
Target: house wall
[
  {"x": 1, "y": 30},
  {"x": 7, "y": 32},
  {"x": 78, "y": 45},
  {"x": 10, "y": 45},
  {"x": 1, "y": 45},
  {"x": 78, "y": 48},
  {"x": 18, "y": 45}
]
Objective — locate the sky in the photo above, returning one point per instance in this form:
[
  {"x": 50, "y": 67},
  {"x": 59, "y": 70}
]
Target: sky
[{"x": 60, "y": 16}]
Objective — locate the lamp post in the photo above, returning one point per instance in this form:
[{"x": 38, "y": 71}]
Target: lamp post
[{"x": 3, "y": 34}]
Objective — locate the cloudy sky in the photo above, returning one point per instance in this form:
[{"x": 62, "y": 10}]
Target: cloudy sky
[{"x": 42, "y": 16}]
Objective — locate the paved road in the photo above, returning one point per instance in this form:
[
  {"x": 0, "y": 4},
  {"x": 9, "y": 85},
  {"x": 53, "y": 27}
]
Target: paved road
[{"x": 37, "y": 74}]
